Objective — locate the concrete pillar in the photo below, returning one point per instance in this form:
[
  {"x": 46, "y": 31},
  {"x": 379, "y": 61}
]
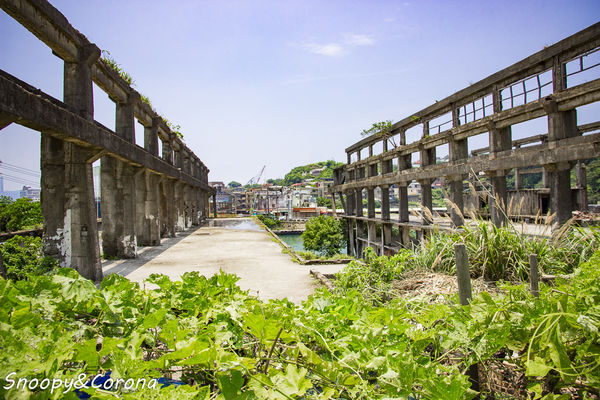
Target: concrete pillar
[
  {"x": 456, "y": 197},
  {"x": 385, "y": 203},
  {"x": 187, "y": 205},
  {"x": 581, "y": 178},
  {"x": 561, "y": 125},
  {"x": 372, "y": 234},
  {"x": 500, "y": 140},
  {"x": 215, "y": 205},
  {"x": 151, "y": 136},
  {"x": 167, "y": 151},
  {"x": 498, "y": 203},
  {"x": 167, "y": 208},
  {"x": 118, "y": 209},
  {"x": 68, "y": 204},
  {"x": 403, "y": 202},
  {"x": 359, "y": 224},
  {"x": 119, "y": 193},
  {"x": 148, "y": 215},
  {"x": 371, "y": 202},
  {"x": 426, "y": 200},
  {"x": 179, "y": 206},
  {"x": 518, "y": 179}
]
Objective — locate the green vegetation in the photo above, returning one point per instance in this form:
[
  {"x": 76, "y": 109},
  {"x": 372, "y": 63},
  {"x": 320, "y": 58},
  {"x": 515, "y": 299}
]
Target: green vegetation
[
  {"x": 225, "y": 344},
  {"x": 326, "y": 202},
  {"x": 20, "y": 214},
  {"x": 234, "y": 184},
  {"x": 494, "y": 253},
  {"x": 299, "y": 174},
  {"x": 269, "y": 222},
  {"x": 111, "y": 62},
  {"x": 593, "y": 181},
  {"x": 174, "y": 128},
  {"x": 309, "y": 255},
  {"x": 324, "y": 235},
  {"x": 23, "y": 258}
]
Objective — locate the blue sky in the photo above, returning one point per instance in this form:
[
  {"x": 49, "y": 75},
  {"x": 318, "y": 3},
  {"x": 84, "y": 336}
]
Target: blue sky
[{"x": 285, "y": 83}]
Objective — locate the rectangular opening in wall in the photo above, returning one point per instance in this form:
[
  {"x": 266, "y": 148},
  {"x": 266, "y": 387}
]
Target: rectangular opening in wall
[
  {"x": 442, "y": 153},
  {"x": 414, "y": 134},
  {"x": 528, "y": 133},
  {"x": 20, "y": 173},
  {"x": 96, "y": 175},
  {"x": 584, "y": 69},
  {"x": 588, "y": 118},
  {"x": 526, "y": 90},
  {"x": 378, "y": 148},
  {"x": 415, "y": 160},
  {"x": 353, "y": 157},
  {"x": 393, "y": 142},
  {"x": 364, "y": 153},
  {"x": 104, "y": 108},
  {"x": 160, "y": 147},
  {"x": 139, "y": 133},
  {"x": 479, "y": 144},
  {"x": 440, "y": 124},
  {"x": 395, "y": 164},
  {"x": 29, "y": 59}
]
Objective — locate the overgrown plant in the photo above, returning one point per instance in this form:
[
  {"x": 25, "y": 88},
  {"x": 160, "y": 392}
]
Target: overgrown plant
[{"x": 111, "y": 62}]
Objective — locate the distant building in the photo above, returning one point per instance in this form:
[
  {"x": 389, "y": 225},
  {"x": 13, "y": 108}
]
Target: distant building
[{"x": 30, "y": 193}]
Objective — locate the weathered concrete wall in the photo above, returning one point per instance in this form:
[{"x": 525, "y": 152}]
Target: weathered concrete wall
[
  {"x": 498, "y": 109},
  {"x": 144, "y": 196}
]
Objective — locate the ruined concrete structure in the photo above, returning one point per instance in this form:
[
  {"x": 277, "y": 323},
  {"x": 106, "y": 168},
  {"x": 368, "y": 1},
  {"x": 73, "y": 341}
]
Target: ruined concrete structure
[
  {"x": 541, "y": 85},
  {"x": 145, "y": 195}
]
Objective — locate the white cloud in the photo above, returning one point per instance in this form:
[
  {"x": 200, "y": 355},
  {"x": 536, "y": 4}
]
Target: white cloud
[
  {"x": 353, "y": 39},
  {"x": 330, "y": 50}
]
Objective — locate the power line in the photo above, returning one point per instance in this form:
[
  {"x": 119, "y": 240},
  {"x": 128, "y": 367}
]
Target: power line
[
  {"x": 2, "y": 163},
  {"x": 17, "y": 179},
  {"x": 19, "y": 171}
]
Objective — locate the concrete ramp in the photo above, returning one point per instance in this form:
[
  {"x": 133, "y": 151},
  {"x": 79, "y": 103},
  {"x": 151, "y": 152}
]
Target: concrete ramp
[{"x": 251, "y": 253}]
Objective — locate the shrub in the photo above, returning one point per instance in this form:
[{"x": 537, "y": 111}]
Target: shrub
[
  {"x": 324, "y": 235},
  {"x": 23, "y": 257},
  {"x": 20, "y": 214}
]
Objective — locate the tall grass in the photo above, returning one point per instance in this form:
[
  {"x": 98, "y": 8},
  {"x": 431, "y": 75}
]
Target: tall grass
[{"x": 502, "y": 253}]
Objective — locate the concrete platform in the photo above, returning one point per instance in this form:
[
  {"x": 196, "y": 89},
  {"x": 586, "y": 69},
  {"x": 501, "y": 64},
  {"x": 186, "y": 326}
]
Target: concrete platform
[{"x": 251, "y": 254}]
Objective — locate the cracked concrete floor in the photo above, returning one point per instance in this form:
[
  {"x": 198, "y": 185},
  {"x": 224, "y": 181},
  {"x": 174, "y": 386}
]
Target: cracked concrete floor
[{"x": 250, "y": 254}]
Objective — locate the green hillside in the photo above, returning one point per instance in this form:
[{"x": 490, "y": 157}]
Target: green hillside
[{"x": 298, "y": 174}]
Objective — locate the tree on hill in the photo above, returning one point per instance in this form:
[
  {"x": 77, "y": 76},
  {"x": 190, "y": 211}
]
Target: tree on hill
[
  {"x": 234, "y": 184},
  {"x": 299, "y": 174}
]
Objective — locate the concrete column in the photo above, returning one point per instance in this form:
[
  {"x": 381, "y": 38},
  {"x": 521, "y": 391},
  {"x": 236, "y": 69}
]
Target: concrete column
[
  {"x": 456, "y": 197},
  {"x": 500, "y": 140},
  {"x": 178, "y": 206},
  {"x": 372, "y": 234},
  {"x": 118, "y": 208},
  {"x": 371, "y": 202},
  {"x": 560, "y": 192},
  {"x": 167, "y": 208},
  {"x": 359, "y": 224},
  {"x": 385, "y": 203},
  {"x": 52, "y": 162},
  {"x": 215, "y": 205},
  {"x": 402, "y": 202},
  {"x": 426, "y": 200},
  {"x": 119, "y": 193},
  {"x": 151, "y": 136},
  {"x": 187, "y": 205},
  {"x": 68, "y": 205},
  {"x": 148, "y": 215},
  {"x": 561, "y": 125},
  {"x": 518, "y": 179},
  {"x": 167, "y": 151},
  {"x": 581, "y": 177}
]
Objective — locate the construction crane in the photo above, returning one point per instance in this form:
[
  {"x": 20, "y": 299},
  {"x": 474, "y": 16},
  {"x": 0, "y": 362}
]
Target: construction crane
[{"x": 256, "y": 179}]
